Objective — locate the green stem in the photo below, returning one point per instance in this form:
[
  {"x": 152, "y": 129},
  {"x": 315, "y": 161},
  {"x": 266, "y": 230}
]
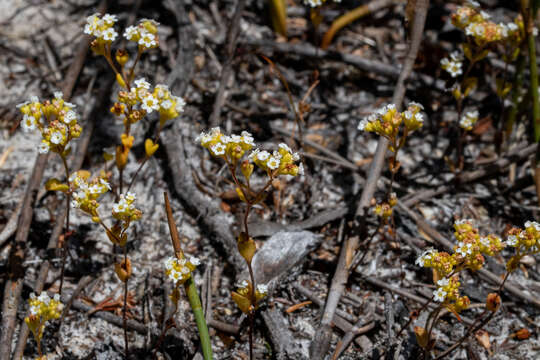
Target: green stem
[
  {"x": 196, "y": 307},
  {"x": 529, "y": 8},
  {"x": 516, "y": 91}
]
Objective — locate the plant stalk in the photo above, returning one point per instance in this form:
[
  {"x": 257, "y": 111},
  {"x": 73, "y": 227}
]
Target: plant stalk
[{"x": 189, "y": 286}]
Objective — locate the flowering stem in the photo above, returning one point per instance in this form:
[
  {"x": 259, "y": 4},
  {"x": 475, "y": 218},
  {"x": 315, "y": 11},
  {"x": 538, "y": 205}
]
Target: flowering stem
[
  {"x": 66, "y": 233},
  {"x": 516, "y": 90},
  {"x": 189, "y": 287},
  {"x": 130, "y": 77},
  {"x": 529, "y": 9},
  {"x": 124, "y": 315}
]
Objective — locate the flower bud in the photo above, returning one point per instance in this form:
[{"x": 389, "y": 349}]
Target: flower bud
[
  {"x": 247, "y": 168},
  {"x": 246, "y": 247},
  {"x": 122, "y": 57},
  {"x": 150, "y": 147},
  {"x": 422, "y": 336},
  {"x": 493, "y": 302},
  {"x": 120, "y": 80},
  {"x": 123, "y": 269},
  {"x": 121, "y": 157}
]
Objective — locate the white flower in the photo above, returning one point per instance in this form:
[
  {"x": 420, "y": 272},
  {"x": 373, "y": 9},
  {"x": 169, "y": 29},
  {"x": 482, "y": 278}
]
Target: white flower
[
  {"x": 426, "y": 255},
  {"x": 34, "y": 99},
  {"x": 56, "y": 137},
  {"x": 109, "y": 35},
  {"x": 244, "y": 284},
  {"x": 301, "y": 169},
  {"x": 109, "y": 19},
  {"x": 285, "y": 147},
  {"x": 362, "y": 125},
  {"x": 443, "y": 282},
  {"x": 150, "y": 103},
  {"x": 105, "y": 183},
  {"x": 44, "y": 298},
  {"x": 166, "y": 104},
  {"x": 485, "y": 241},
  {"x": 70, "y": 116},
  {"x": 130, "y": 196},
  {"x": 194, "y": 261},
  {"x": 535, "y": 31},
  {"x": 511, "y": 240},
  {"x": 484, "y": 15},
  {"x": 147, "y": 40},
  {"x": 420, "y": 118},
  {"x": 262, "y": 289},
  {"x": 474, "y": 3},
  {"x": 440, "y": 295},
  {"x": 203, "y": 138},
  {"x": 121, "y": 206},
  {"x": 180, "y": 104},
  {"x": 131, "y": 32},
  {"x": 69, "y": 105},
  {"x": 247, "y": 138},
  {"x": 532, "y": 224},
  {"x": 218, "y": 149},
  {"x": 58, "y": 95},
  {"x": 254, "y": 154},
  {"x": 273, "y": 163},
  {"x": 95, "y": 189},
  {"x": 142, "y": 84},
  {"x": 413, "y": 103},
  {"x": 464, "y": 249},
  {"x": 263, "y": 155},
  {"x": 161, "y": 89},
  {"x": 512, "y": 26},
  {"x": 28, "y": 123}
]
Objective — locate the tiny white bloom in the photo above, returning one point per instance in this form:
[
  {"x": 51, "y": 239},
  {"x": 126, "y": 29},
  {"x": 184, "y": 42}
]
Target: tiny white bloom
[
  {"x": 511, "y": 240},
  {"x": 180, "y": 104},
  {"x": 109, "y": 35},
  {"x": 70, "y": 116},
  {"x": 218, "y": 149},
  {"x": 58, "y": 95},
  {"x": 166, "y": 105},
  {"x": 262, "y": 289},
  {"x": 273, "y": 163},
  {"x": 285, "y": 147},
  {"x": 443, "y": 282},
  {"x": 263, "y": 155},
  {"x": 440, "y": 295},
  {"x": 109, "y": 19},
  {"x": 131, "y": 32},
  {"x": 150, "y": 103},
  {"x": 28, "y": 123},
  {"x": 142, "y": 83},
  {"x": 147, "y": 40},
  {"x": 194, "y": 261},
  {"x": 56, "y": 137}
]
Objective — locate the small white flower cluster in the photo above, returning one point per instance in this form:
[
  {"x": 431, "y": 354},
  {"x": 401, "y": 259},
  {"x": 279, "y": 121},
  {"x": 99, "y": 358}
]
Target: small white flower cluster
[
  {"x": 101, "y": 28},
  {"x": 87, "y": 192},
  {"x": 468, "y": 120},
  {"x": 179, "y": 270},
  {"x": 426, "y": 255},
  {"x": 42, "y": 300},
  {"x": 144, "y": 34},
  {"x": 125, "y": 204},
  {"x": 262, "y": 289},
  {"x": 465, "y": 249},
  {"x": 454, "y": 64},
  {"x": 440, "y": 293}
]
